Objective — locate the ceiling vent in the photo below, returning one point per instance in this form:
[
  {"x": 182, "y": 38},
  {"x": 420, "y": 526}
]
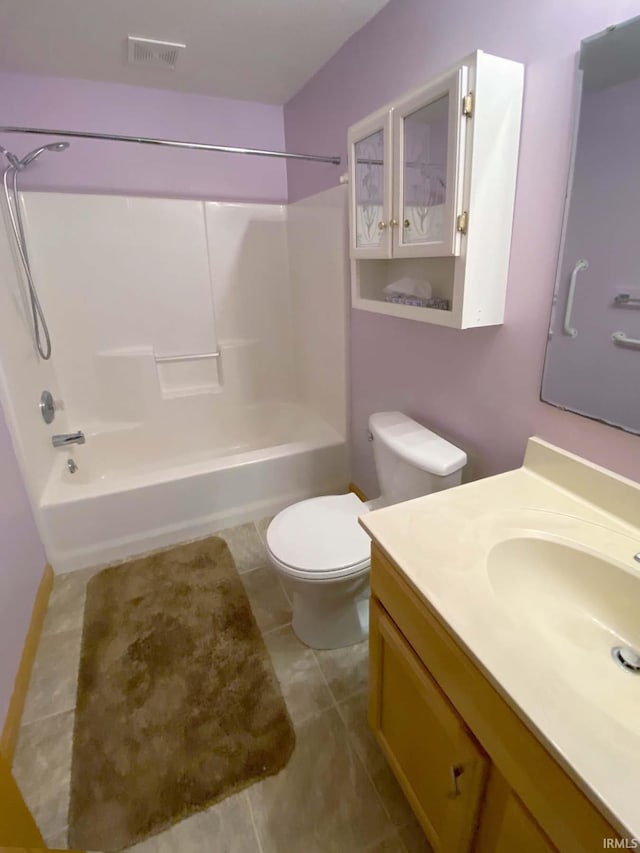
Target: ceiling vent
[{"x": 153, "y": 53}]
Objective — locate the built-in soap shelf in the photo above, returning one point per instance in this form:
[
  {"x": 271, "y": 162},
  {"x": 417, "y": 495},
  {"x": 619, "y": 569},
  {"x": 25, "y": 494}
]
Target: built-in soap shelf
[
  {"x": 186, "y": 374},
  {"x": 133, "y": 383},
  {"x": 186, "y": 377}
]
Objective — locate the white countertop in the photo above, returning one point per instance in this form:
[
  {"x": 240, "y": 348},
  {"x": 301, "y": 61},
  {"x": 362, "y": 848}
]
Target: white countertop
[{"x": 572, "y": 695}]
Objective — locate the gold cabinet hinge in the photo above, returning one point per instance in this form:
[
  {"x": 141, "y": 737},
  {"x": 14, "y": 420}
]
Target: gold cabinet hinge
[
  {"x": 462, "y": 223},
  {"x": 467, "y": 105}
]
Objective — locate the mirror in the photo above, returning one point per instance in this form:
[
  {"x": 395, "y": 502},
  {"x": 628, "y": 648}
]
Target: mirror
[{"x": 592, "y": 364}]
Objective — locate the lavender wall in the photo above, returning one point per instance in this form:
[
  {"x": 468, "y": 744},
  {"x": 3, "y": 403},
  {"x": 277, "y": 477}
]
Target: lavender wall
[
  {"x": 22, "y": 561},
  {"x": 111, "y": 167},
  {"x": 480, "y": 387},
  {"x": 589, "y": 373}
]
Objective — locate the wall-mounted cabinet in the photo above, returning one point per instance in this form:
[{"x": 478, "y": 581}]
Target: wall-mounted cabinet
[{"x": 432, "y": 185}]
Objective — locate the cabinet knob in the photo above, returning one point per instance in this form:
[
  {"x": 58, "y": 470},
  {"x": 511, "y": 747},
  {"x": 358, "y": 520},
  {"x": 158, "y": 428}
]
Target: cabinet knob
[
  {"x": 393, "y": 222},
  {"x": 407, "y": 224},
  {"x": 456, "y": 771},
  {"x": 382, "y": 226}
]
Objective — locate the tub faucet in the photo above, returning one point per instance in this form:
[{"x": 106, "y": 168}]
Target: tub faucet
[{"x": 68, "y": 438}]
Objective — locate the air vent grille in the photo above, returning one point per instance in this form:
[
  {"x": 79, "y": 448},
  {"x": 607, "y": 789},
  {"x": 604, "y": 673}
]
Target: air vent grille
[{"x": 153, "y": 53}]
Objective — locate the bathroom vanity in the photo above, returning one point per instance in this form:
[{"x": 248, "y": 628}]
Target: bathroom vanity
[{"x": 494, "y": 692}]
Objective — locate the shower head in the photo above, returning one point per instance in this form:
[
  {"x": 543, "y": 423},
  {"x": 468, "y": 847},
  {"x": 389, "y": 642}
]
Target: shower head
[{"x": 32, "y": 155}]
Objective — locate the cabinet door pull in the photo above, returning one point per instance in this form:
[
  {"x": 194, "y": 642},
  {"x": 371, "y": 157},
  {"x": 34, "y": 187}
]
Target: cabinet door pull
[
  {"x": 382, "y": 226},
  {"x": 456, "y": 772}
]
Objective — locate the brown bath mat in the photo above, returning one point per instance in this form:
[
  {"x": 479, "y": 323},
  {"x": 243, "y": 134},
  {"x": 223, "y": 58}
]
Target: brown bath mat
[{"x": 178, "y": 705}]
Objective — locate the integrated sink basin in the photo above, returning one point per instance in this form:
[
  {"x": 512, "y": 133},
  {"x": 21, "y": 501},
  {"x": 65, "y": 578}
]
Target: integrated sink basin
[
  {"x": 582, "y": 608},
  {"x": 565, "y": 593}
]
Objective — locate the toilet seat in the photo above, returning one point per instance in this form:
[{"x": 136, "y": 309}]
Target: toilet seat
[{"x": 320, "y": 539}]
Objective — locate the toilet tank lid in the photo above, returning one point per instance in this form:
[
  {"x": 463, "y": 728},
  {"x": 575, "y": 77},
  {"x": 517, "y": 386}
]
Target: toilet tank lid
[{"x": 416, "y": 444}]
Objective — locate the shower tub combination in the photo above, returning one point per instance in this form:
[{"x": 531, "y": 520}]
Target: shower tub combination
[
  {"x": 208, "y": 375},
  {"x": 139, "y": 488}
]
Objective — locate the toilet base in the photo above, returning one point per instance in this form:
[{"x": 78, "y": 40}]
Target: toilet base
[{"x": 330, "y": 615}]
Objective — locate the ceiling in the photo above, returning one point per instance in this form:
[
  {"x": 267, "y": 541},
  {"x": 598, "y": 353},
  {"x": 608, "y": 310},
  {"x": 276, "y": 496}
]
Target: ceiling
[{"x": 258, "y": 50}]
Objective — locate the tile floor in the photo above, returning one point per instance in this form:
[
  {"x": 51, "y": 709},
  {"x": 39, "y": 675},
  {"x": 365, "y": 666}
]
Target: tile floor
[{"x": 336, "y": 795}]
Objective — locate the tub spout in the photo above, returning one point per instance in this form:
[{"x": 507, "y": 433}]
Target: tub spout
[{"x": 68, "y": 438}]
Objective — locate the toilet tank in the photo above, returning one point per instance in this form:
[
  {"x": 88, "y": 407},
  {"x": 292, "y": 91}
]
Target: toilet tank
[{"x": 410, "y": 459}]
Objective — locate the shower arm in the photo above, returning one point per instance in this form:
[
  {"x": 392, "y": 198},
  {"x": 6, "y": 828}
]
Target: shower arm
[{"x": 174, "y": 143}]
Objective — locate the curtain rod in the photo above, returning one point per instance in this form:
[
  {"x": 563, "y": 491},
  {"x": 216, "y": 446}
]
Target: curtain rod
[{"x": 173, "y": 143}]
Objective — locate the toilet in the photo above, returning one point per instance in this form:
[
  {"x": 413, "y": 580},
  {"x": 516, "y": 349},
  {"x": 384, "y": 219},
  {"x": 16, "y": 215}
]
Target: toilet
[{"x": 321, "y": 552}]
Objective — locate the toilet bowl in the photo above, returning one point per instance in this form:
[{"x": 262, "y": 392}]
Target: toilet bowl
[{"x": 323, "y": 555}]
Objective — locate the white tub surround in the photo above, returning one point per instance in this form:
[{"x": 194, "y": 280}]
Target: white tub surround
[
  {"x": 198, "y": 347},
  {"x": 123, "y": 279},
  {"x": 319, "y": 271},
  {"x": 153, "y": 299}
]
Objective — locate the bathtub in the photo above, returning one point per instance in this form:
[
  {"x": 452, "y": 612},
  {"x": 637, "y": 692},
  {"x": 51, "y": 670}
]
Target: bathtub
[{"x": 144, "y": 486}]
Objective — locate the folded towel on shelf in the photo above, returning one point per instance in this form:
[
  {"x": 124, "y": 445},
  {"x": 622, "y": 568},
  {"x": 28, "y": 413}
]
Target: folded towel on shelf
[
  {"x": 409, "y": 287},
  {"x": 405, "y": 299}
]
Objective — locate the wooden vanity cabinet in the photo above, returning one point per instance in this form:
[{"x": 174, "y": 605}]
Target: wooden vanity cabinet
[
  {"x": 439, "y": 764},
  {"x": 506, "y": 825},
  {"x": 476, "y": 776}
]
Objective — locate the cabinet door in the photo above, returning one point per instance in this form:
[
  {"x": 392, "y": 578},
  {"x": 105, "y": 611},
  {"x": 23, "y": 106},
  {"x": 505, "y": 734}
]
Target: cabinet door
[
  {"x": 370, "y": 162},
  {"x": 439, "y": 765},
  {"x": 506, "y": 825},
  {"x": 428, "y": 148}
]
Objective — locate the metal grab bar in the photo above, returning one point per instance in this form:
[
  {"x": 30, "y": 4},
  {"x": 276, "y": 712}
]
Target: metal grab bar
[
  {"x": 163, "y": 359},
  {"x": 622, "y": 340},
  {"x": 568, "y": 328},
  {"x": 626, "y": 299}
]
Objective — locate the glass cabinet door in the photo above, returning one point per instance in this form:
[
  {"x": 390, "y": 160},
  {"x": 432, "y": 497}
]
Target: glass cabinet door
[
  {"x": 370, "y": 187},
  {"x": 428, "y": 137}
]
